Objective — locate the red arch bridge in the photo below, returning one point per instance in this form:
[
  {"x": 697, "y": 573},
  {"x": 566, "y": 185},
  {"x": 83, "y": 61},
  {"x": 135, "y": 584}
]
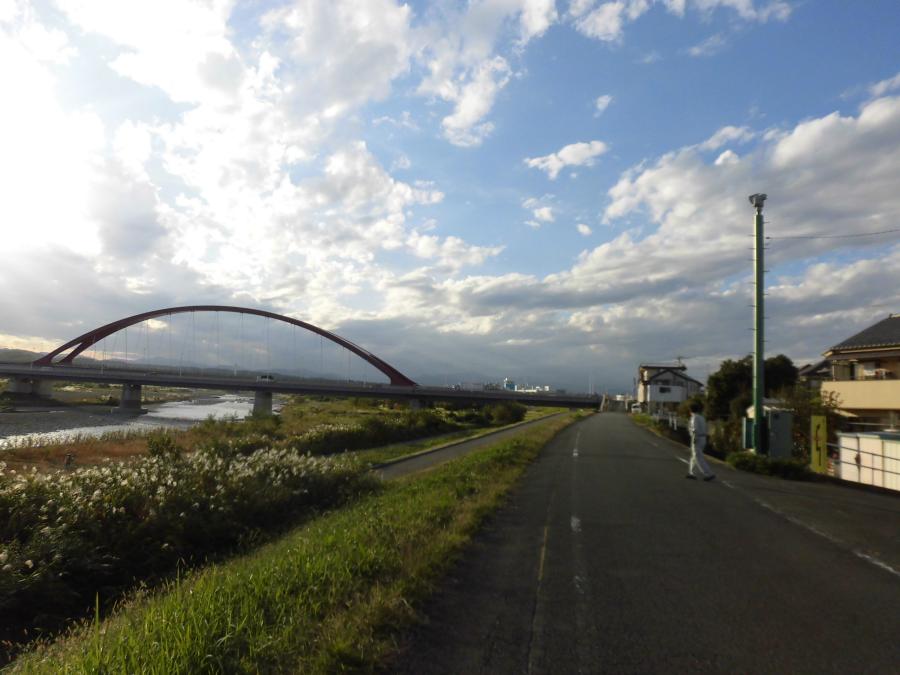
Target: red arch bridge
[{"x": 59, "y": 365}]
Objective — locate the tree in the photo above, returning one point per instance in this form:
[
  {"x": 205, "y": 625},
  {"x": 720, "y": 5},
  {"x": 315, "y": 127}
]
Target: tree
[
  {"x": 781, "y": 373},
  {"x": 729, "y": 382},
  {"x": 729, "y": 389}
]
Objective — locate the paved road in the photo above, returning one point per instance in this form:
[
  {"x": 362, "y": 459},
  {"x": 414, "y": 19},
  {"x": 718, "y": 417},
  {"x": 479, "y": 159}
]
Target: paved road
[{"x": 607, "y": 560}]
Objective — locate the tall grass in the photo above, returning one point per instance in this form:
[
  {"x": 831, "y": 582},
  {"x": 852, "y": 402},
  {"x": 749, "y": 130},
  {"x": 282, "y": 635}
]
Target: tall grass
[
  {"x": 66, "y": 536},
  {"x": 326, "y": 598}
]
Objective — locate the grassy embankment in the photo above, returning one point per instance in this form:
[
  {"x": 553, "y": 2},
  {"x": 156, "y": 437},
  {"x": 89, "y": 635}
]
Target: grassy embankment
[
  {"x": 327, "y": 597},
  {"x": 219, "y": 488}
]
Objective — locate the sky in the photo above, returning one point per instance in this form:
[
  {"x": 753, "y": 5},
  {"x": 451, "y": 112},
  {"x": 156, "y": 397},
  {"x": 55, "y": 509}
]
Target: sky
[{"x": 547, "y": 191}]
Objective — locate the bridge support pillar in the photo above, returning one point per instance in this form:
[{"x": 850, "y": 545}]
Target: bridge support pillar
[
  {"x": 131, "y": 398},
  {"x": 30, "y": 385},
  {"x": 262, "y": 403}
]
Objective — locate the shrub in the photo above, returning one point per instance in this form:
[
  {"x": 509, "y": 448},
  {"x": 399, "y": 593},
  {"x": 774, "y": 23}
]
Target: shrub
[
  {"x": 505, "y": 412},
  {"x": 162, "y": 444},
  {"x": 67, "y": 535},
  {"x": 791, "y": 469},
  {"x": 370, "y": 432}
]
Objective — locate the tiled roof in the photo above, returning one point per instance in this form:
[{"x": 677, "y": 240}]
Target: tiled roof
[
  {"x": 885, "y": 333},
  {"x": 666, "y": 366}
]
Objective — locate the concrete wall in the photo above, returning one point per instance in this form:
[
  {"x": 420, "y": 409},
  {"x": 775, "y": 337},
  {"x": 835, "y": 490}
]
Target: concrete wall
[
  {"x": 863, "y": 395},
  {"x": 871, "y": 459}
]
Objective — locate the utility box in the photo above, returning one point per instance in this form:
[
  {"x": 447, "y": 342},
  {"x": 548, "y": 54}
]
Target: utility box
[
  {"x": 777, "y": 434},
  {"x": 780, "y": 424}
]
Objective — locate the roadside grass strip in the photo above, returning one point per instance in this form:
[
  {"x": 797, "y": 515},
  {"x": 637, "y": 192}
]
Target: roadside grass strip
[{"x": 328, "y": 597}]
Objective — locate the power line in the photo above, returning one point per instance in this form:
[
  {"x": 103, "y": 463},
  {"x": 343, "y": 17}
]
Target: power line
[{"x": 838, "y": 236}]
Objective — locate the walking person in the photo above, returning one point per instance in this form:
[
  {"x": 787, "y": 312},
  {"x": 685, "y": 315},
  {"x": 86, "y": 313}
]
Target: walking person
[{"x": 698, "y": 444}]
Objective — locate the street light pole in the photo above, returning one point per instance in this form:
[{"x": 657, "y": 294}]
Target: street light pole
[{"x": 759, "y": 384}]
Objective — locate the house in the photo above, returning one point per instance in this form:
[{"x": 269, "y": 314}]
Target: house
[
  {"x": 813, "y": 374},
  {"x": 865, "y": 373},
  {"x": 664, "y": 386}
]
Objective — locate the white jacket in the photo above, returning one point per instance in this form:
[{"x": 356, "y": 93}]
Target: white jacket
[{"x": 698, "y": 425}]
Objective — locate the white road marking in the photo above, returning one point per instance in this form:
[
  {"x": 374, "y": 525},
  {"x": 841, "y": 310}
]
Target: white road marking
[
  {"x": 682, "y": 459},
  {"x": 815, "y": 530},
  {"x": 875, "y": 561},
  {"x": 575, "y": 523},
  {"x": 577, "y": 441}
]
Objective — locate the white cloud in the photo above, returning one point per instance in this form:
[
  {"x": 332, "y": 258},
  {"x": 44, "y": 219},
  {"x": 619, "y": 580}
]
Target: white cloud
[
  {"x": 708, "y": 47},
  {"x": 536, "y": 17},
  {"x": 727, "y": 157},
  {"x": 576, "y": 154},
  {"x": 541, "y": 212},
  {"x": 725, "y": 135},
  {"x": 191, "y": 59},
  {"x": 544, "y": 214},
  {"x": 603, "y": 23},
  {"x": 46, "y": 150},
  {"x": 348, "y": 51},
  {"x": 601, "y": 104},
  {"x": 630, "y": 295},
  {"x": 885, "y": 86},
  {"x": 473, "y": 101},
  {"x": 584, "y": 230},
  {"x": 462, "y": 54},
  {"x": 451, "y": 253},
  {"x": 402, "y": 162},
  {"x": 606, "y": 21},
  {"x": 405, "y": 121}
]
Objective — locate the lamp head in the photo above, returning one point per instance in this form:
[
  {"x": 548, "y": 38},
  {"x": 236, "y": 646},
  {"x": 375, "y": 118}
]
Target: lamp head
[{"x": 757, "y": 200}]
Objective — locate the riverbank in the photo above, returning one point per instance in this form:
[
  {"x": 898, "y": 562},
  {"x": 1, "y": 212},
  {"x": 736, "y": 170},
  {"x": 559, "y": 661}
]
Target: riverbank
[{"x": 43, "y": 435}]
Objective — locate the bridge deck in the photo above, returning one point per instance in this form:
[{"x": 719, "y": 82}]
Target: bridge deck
[{"x": 288, "y": 386}]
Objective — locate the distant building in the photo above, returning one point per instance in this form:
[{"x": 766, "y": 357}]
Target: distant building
[
  {"x": 508, "y": 384},
  {"x": 664, "y": 386},
  {"x": 865, "y": 373}
]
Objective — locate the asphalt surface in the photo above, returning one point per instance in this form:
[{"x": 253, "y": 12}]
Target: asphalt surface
[{"x": 606, "y": 560}]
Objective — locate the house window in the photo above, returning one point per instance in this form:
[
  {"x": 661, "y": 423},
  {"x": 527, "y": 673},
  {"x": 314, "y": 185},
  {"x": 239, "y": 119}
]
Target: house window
[{"x": 665, "y": 390}]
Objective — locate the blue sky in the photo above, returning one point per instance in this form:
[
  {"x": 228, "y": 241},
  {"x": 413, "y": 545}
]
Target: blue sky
[{"x": 525, "y": 188}]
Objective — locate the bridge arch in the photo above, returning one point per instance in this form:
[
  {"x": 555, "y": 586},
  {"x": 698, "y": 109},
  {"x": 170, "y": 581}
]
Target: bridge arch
[{"x": 90, "y": 338}]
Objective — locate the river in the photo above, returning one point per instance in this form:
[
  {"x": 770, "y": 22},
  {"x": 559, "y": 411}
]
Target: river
[{"x": 44, "y": 426}]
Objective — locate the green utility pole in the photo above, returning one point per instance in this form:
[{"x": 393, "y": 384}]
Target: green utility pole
[{"x": 759, "y": 379}]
